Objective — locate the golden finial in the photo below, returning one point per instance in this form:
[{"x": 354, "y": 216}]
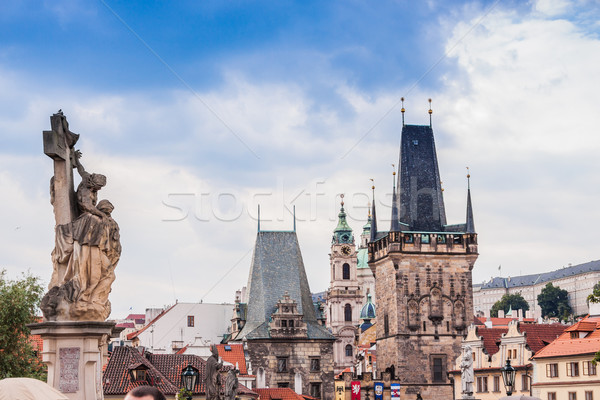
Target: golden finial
[
  {"x": 402, "y": 109},
  {"x": 373, "y": 180},
  {"x": 430, "y": 112},
  {"x": 394, "y": 167},
  {"x": 442, "y": 185},
  {"x": 468, "y": 178},
  {"x": 468, "y": 173},
  {"x": 342, "y": 196}
]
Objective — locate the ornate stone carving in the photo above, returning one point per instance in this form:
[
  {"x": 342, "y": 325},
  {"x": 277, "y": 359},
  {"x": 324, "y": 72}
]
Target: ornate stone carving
[
  {"x": 231, "y": 384},
  {"x": 467, "y": 374},
  {"x": 87, "y": 242},
  {"x": 212, "y": 381}
]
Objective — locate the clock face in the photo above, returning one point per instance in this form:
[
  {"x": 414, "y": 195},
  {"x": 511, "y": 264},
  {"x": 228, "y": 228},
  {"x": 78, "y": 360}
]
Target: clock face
[{"x": 346, "y": 250}]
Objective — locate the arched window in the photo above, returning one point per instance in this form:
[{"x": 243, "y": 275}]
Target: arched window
[
  {"x": 349, "y": 350},
  {"x": 346, "y": 271},
  {"x": 347, "y": 312}
]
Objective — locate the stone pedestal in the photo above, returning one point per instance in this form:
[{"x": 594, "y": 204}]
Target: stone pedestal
[{"x": 74, "y": 352}]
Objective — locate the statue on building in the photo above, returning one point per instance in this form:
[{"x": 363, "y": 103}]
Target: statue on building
[
  {"x": 87, "y": 241},
  {"x": 231, "y": 384},
  {"x": 212, "y": 381},
  {"x": 467, "y": 375}
]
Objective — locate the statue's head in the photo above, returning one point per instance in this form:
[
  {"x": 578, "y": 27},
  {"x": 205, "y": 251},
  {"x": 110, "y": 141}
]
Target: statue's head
[
  {"x": 96, "y": 181},
  {"x": 214, "y": 350},
  {"x": 105, "y": 206}
]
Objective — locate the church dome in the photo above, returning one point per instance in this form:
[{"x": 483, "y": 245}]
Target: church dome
[{"x": 368, "y": 310}]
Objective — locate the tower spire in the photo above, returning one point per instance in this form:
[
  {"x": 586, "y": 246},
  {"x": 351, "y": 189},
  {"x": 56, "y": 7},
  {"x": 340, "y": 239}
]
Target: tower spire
[
  {"x": 395, "y": 224},
  {"x": 402, "y": 110},
  {"x": 430, "y": 112},
  {"x": 342, "y": 233},
  {"x": 373, "y": 217},
  {"x": 470, "y": 225}
]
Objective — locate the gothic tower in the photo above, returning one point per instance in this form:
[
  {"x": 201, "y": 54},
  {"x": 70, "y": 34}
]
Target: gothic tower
[
  {"x": 344, "y": 297},
  {"x": 422, "y": 269}
]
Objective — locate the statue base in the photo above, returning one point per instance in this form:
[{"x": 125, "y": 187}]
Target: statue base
[{"x": 75, "y": 352}]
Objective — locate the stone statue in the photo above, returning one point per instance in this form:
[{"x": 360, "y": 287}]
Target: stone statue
[
  {"x": 87, "y": 242},
  {"x": 466, "y": 377},
  {"x": 212, "y": 381},
  {"x": 231, "y": 384}
]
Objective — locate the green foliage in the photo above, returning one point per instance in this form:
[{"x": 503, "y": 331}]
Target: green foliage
[
  {"x": 19, "y": 301},
  {"x": 508, "y": 301},
  {"x": 183, "y": 394},
  {"x": 595, "y": 296},
  {"x": 554, "y": 302}
]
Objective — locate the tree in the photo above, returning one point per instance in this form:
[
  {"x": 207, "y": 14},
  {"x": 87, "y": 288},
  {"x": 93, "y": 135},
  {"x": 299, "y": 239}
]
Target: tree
[
  {"x": 595, "y": 296},
  {"x": 19, "y": 301},
  {"x": 554, "y": 302},
  {"x": 508, "y": 301}
]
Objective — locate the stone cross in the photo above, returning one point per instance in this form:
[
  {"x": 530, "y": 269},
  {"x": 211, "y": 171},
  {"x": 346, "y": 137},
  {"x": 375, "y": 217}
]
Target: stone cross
[{"x": 58, "y": 145}]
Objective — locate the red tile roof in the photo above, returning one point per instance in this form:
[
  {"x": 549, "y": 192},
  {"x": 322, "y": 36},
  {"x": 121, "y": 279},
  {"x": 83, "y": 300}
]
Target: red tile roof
[
  {"x": 234, "y": 356},
  {"x": 125, "y": 325},
  {"x": 564, "y": 345},
  {"x": 136, "y": 316},
  {"x": 278, "y": 394},
  {"x": 491, "y": 338},
  {"x": 539, "y": 336}
]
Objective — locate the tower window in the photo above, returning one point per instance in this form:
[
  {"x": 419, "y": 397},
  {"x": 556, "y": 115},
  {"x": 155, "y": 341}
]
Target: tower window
[
  {"x": 346, "y": 271},
  {"x": 348, "y": 312},
  {"x": 386, "y": 325},
  {"x": 282, "y": 364},
  {"x": 349, "y": 350},
  {"x": 190, "y": 321}
]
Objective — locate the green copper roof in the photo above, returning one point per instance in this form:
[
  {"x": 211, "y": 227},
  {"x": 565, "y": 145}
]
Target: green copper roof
[
  {"x": 363, "y": 258},
  {"x": 368, "y": 310},
  {"x": 342, "y": 233}
]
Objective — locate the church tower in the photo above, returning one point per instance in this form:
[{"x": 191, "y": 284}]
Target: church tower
[
  {"x": 422, "y": 269},
  {"x": 344, "y": 296}
]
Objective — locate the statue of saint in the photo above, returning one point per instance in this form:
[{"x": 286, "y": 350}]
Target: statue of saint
[
  {"x": 87, "y": 241},
  {"x": 231, "y": 384},
  {"x": 212, "y": 381},
  {"x": 467, "y": 375}
]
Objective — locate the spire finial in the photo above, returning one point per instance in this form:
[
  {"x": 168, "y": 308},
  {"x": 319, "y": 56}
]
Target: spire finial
[
  {"x": 374, "y": 218},
  {"x": 430, "y": 112},
  {"x": 402, "y": 110},
  {"x": 259, "y": 217},
  {"x": 342, "y": 202},
  {"x": 394, "y": 175},
  {"x": 468, "y": 178}
]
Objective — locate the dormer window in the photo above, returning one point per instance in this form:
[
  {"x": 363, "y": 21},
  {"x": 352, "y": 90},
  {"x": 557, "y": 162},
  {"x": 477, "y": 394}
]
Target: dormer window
[{"x": 139, "y": 374}]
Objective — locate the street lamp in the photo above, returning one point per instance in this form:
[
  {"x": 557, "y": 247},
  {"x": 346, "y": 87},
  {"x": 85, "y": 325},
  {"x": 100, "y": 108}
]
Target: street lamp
[
  {"x": 508, "y": 376},
  {"x": 189, "y": 377}
]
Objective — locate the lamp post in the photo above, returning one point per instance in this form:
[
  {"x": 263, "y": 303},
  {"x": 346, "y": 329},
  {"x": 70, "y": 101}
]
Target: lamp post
[
  {"x": 508, "y": 376},
  {"x": 189, "y": 377}
]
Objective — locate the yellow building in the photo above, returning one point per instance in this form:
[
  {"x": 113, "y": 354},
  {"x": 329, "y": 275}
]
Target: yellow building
[
  {"x": 491, "y": 347},
  {"x": 564, "y": 368}
]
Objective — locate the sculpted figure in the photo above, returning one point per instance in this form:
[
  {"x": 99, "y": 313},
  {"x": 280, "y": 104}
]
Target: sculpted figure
[
  {"x": 467, "y": 375},
  {"x": 231, "y": 384},
  {"x": 212, "y": 381},
  {"x": 87, "y": 247}
]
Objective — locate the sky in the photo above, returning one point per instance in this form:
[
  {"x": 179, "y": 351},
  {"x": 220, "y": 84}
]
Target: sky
[{"x": 197, "y": 112}]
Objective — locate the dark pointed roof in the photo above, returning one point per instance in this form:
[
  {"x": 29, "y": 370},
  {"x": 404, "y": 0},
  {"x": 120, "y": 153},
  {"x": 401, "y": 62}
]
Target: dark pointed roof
[
  {"x": 421, "y": 201},
  {"x": 277, "y": 268},
  {"x": 470, "y": 225},
  {"x": 373, "y": 220},
  {"x": 395, "y": 223}
]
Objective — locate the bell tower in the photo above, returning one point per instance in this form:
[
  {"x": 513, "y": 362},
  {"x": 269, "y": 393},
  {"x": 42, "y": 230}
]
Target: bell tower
[
  {"x": 344, "y": 295},
  {"x": 422, "y": 268}
]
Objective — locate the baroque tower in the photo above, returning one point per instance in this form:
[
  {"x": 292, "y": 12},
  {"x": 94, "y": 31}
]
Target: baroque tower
[
  {"x": 422, "y": 269},
  {"x": 344, "y": 297}
]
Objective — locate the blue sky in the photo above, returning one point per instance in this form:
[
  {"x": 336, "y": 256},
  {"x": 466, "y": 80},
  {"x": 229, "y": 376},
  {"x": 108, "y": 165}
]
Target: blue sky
[{"x": 198, "y": 111}]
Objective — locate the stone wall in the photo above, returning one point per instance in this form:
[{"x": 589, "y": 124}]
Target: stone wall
[{"x": 264, "y": 355}]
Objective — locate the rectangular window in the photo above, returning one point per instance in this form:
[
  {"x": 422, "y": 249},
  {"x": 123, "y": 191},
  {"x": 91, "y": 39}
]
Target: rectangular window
[
  {"x": 496, "y": 384},
  {"x": 386, "y": 325},
  {"x": 572, "y": 395},
  {"x": 282, "y": 364},
  {"x": 437, "y": 369},
  {"x": 283, "y": 323},
  {"x": 573, "y": 369},
  {"x": 315, "y": 389},
  {"x": 315, "y": 364},
  {"x": 482, "y": 384},
  {"x": 283, "y": 384},
  {"x": 190, "y": 321},
  {"x": 551, "y": 395},
  {"x": 589, "y": 368},
  {"x": 291, "y": 323},
  {"x": 589, "y": 395},
  {"x": 552, "y": 370},
  {"x": 524, "y": 383}
]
